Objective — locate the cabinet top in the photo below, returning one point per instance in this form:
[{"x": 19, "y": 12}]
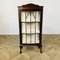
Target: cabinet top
[{"x": 30, "y": 6}]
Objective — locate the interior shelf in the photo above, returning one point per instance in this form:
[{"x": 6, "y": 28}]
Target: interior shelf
[
  {"x": 30, "y": 33},
  {"x": 31, "y": 22}
]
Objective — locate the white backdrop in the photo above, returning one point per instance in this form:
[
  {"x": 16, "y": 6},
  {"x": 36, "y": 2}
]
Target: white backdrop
[{"x": 9, "y": 16}]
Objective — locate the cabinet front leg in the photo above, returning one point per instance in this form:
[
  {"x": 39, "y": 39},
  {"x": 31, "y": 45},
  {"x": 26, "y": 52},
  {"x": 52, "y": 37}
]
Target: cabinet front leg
[
  {"x": 21, "y": 49},
  {"x": 40, "y": 48}
]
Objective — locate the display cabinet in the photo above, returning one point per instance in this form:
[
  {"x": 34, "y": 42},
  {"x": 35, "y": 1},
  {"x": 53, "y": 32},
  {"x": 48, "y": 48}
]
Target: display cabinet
[{"x": 30, "y": 25}]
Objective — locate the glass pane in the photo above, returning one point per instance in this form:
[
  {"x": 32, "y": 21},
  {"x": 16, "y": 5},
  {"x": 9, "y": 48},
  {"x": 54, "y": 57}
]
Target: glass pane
[
  {"x": 28, "y": 39},
  {"x": 28, "y": 16},
  {"x": 28, "y": 27},
  {"x": 32, "y": 27},
  {"x": 33, "y": 16},
  {"x": 23, "y": 38},
  {"x": 33, "y": 38},
  {"x": 37, "y": 28},
  {"x": 38, "y": 16},
  {"x": 23, "y": 28},
  {"x": 23, "y": 16},
  {"x": 37, "y": 38}
]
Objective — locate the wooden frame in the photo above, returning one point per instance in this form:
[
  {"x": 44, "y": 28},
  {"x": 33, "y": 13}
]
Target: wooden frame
[{"x": 30, "y": 7}]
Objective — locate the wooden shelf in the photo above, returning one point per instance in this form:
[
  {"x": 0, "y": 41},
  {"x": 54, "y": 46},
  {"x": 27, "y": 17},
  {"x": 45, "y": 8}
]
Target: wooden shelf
[
  {"x": 30, "y": 44},
  {"x": 30, "y": 33},
  {"x": 31, "y": 22}
]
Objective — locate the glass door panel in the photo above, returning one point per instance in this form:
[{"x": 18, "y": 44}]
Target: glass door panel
[{"x": 30, "y": 26}]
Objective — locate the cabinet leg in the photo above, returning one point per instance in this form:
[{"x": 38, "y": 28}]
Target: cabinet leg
[
  {"x": 21, "y": 49},
  {"x": 40, "y": 47}
]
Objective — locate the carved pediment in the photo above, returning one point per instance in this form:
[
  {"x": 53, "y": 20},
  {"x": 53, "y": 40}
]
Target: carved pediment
[{"x": 30, "y": 6}]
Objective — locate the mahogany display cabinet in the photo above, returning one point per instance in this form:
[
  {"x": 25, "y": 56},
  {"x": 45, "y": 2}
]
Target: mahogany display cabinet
[{"x": 30, "y": 25}]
